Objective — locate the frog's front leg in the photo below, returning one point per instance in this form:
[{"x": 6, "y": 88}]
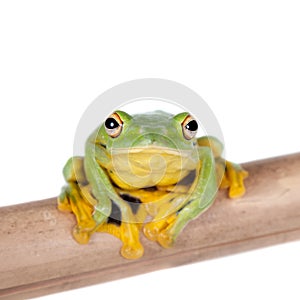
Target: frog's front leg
[
  {"x": 201, "y": 196},
  {"x": 105, "y": 193},
  {"x": 131, "y": 248}
]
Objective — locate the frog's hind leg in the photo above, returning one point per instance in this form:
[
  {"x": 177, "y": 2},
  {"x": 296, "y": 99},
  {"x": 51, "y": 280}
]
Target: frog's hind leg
[
  {"x": 63, "y": 200},
  {"x": 229, "y": 174},
  {"x": 83, "y": 212},
  {"x": 234, "y": 179},
  {"x": 72, "y": 200}
]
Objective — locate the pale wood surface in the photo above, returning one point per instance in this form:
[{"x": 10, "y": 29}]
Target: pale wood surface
[{"x": 38, "y": 255}]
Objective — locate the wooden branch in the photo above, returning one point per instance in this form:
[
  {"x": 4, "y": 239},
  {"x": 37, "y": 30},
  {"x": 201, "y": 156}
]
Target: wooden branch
[{"x": 39, "y": 256}]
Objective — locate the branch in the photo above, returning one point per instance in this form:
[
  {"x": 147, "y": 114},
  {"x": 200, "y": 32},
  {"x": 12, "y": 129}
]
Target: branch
[{"x": 39, "y": 255}]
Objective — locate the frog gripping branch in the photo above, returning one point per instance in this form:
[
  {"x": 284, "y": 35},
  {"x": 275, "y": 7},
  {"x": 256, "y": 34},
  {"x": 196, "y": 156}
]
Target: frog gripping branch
[{"x": 149, "y": 164}]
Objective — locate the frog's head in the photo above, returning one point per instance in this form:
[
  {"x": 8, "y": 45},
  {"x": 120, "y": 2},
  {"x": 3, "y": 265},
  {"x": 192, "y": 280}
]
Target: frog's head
[
  {"x": 149, "y": 149},
  {"x": 156, "y": 129}
]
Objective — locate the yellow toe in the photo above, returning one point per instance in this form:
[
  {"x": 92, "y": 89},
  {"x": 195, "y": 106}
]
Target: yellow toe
[
  {"x": 81, "y": 236},
  {"x": 132, "y": 251},
  {"x": 165, "y": 240}
]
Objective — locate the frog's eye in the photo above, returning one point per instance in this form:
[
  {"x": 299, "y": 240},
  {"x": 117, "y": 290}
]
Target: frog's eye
[
  {"x": 189, "y": 127},
  {"x": 113, "y": 125}
]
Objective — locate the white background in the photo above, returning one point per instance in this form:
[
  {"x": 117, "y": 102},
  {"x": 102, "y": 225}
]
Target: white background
[{"x": 242, "y": 57}]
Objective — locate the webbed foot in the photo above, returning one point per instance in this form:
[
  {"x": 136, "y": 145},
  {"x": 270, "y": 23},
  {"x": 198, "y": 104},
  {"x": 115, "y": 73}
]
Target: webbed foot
[
  {"x": 158, "y": 231},
  {"x": 63, "y": 201},
  {"x": 165, "y": 239},
  {"x": 129, "y": 236},
  {"x": 233, "y": 179},
  {"x": 159, "y": 234},
  {"x": 153, "y": 229},
  {"x": 71, "y": 200}
]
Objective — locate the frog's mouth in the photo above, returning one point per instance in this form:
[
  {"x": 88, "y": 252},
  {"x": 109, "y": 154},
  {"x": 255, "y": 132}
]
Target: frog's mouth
[{"x": 141, "y": 167}]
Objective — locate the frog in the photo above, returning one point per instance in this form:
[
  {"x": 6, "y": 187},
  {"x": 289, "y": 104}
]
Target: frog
[{"x": 146, "y": 173}]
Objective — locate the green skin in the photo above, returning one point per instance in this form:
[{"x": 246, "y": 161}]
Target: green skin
[
  {"x": 150, "y": 127},
  {"x": 157, "y": 132}
]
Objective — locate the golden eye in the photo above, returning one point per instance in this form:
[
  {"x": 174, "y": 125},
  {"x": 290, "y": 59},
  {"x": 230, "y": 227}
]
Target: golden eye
[
  {"x": 189, "y": 127},
  {"x": 113, "y": 125}
]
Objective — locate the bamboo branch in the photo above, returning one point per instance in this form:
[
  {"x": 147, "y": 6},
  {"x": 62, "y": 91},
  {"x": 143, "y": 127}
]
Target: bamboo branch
[{"x": 39, "y": 256}]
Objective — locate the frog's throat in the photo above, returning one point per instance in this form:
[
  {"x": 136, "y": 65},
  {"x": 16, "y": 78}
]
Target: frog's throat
[{"x": 150, "y": 166}]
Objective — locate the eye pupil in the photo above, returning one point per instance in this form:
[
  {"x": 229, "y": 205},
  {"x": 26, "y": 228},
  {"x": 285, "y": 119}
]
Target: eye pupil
[
  {"x": 111, "y": 123},
  {"x": 192, "y": 125}
]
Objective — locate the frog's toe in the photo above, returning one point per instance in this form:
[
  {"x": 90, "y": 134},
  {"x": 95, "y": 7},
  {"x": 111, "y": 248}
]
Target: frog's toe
[
  {"x": 236, "y": 191},
  {"x": 153, "y": 229},
  {"x": 63, "y": 202},
  {"x": 234, "y": 180},
  {"x": 81, "y": 235},
  {"x": 237, "y": 187},
  {"x": 151, "y": 232},
  {"x": 165, "y": 239},
  {"x": 132, "y": 251},
  {"x": 243, "y": 174}
]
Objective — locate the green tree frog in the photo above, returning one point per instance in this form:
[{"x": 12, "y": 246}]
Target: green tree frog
[{"x": 145, "y": 173}]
